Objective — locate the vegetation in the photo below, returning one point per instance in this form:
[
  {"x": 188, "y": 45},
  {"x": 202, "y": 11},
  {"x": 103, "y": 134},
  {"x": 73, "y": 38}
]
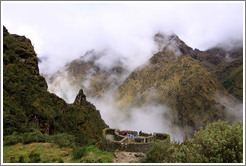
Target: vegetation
[
  {"x": 227, "y": 66},
  {"x": 180, "y": 82},
  {"x": 52, "y": 153},
  {"x": 40, "y": 127},
  {"x": 218, "y": 142},
  {"x": 233, "y": 81},
  {"x": 30, "y": 112},
  {"x": 95, "y": 155},
  {"x": 36, "y": 153}
]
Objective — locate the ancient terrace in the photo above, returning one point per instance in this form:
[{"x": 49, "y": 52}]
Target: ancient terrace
[{"x": 131, "y": 141}]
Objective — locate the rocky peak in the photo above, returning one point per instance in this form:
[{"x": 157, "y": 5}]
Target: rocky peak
[
  {"x": 172, "y": 43},
  {"x": 80, "y": 97}
]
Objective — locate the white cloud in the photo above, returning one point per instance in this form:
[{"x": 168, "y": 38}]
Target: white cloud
[
  {"x": 148, "y": 118},
  {"x": 62, "y": 31}
]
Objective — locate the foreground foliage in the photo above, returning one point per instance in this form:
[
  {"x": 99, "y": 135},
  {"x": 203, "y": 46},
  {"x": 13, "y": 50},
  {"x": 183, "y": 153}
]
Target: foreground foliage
[
  {"x": 36, "y": 153},
  {"x": 52, "y": 153},
  {"x": 218, "y": 142}
]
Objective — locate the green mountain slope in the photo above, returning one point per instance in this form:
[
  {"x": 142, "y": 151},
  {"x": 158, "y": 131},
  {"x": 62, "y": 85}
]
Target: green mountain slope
[
  {"x": 175, "y": 78},
  {"x": 27, "y": 105},
  {"x": 226, "y": 65}
]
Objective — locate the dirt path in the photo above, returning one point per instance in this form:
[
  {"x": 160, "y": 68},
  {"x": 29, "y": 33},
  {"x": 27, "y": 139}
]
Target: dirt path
[{"x": 128, "y": 157}]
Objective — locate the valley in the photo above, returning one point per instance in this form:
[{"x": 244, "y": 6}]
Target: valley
[
  {"x": 177, "y": 91},
  {"x": 105, "y": 82}
]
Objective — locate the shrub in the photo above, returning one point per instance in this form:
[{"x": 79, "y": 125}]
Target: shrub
[
  {"x": 35, "y": 136},
  {"x": 218, "y": 142},
  {"x": 155, "y": 155},
  {"x": 12, "y": 159},
  {"x": 34, "y": 157},
  {"x": 221, "y": 142},
  {"x": 105, "y": 159},
  {"x": 12, "y": 139},
  {"x": 60, "y": 160},
  {"x": 63, "y": 140},
  {"x": 79, "y": 152},
  {"x": 21, "y": 159}
]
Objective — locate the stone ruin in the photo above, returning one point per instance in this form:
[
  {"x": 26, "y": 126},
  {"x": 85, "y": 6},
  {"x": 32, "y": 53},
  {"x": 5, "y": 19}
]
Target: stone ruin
[{"x": 113, "y": 139}]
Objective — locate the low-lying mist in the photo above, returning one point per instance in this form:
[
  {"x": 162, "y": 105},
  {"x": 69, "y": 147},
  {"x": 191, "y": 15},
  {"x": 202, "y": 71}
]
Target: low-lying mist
[
  {"x": 233, "y": 108},
  {"x": 148, "y": 118}
]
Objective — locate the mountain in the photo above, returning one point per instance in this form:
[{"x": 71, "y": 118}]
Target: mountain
[
  {"x": 226, "y": 65},
  {"x": 89, "y": 73},
  {"x": 190, "y": 82},
  {"x": 28, "y": 106},
  {"x": 186, "y": 80}
]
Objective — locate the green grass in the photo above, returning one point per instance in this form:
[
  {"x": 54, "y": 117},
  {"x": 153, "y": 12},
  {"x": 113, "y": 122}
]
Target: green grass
[
  {"x": 49, "y": 153},
  {"x": 95, "y": 154},
  {"x": 52, "y": 153}
]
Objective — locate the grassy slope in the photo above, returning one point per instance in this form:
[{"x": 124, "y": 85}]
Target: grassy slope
[
  {"x": 233, "y": 82},
  {"x": 48, "y": 152},
  {"x": 28, "y": 105},
  {"x": 228, "y": 71},
  {"x": 52, "y": 153},
  {"x": 183, "y": 84}
]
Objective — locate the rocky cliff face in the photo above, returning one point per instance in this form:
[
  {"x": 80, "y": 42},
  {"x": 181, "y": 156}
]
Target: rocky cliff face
[{"x": 27, "y": 105}]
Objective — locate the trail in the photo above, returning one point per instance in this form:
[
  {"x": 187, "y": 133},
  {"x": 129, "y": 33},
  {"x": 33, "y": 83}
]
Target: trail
[{"x": 128, "y": 157}]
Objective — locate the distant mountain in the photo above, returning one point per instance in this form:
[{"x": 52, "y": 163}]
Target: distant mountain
[
  {"x": 28, "y": 106},
  {"x": 186, "y": 80},
  {"x": 88, "y": 73},
  {"x": 190, "y": 82},
  {"x": 226, "y": 65}
]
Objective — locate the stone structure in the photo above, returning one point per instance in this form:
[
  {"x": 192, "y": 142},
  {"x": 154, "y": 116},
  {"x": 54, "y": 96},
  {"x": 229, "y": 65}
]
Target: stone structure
[{"x": 113, "y": 139}]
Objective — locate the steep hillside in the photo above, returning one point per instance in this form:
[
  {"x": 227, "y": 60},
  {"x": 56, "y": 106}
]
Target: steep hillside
[
  {"x": 188, "y": 81},
  {"x": 226, "y": 65},
  {"x": 27, "y": 105},
  {"x": 175, "y": 77}
]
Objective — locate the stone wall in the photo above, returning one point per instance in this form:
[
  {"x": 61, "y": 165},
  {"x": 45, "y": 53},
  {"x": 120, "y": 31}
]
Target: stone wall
[{"x": 124, "y": 143}]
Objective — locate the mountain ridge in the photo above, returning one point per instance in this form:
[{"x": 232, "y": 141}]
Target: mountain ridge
[
  {"x": 187, "y": 80},
  {"x": 28, "y": 106}
]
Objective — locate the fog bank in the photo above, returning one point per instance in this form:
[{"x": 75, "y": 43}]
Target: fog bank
[{"x": 63, "y": 31}]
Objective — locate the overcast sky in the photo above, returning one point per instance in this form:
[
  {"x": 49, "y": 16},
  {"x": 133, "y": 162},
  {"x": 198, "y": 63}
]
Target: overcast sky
[{"x": 62, "y": 31}]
